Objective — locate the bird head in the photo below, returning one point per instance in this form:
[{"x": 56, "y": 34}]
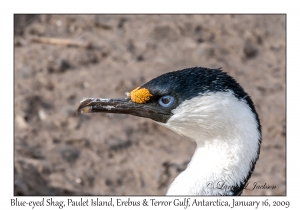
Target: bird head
[{"x": 196, "y": 102}]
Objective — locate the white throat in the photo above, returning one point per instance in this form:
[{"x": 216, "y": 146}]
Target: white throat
[{"x": 227, "y": 136}]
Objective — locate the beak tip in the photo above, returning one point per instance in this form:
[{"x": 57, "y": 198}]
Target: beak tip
[
  {"x": 86, "y": 109},
  {"x": 84, "y": 106}
]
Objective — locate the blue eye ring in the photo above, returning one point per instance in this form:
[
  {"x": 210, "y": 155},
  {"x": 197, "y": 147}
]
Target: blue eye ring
[{"x": 166, "y": 101}]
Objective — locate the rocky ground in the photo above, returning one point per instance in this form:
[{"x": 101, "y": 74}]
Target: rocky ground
[{"x": 58, "y": 152}]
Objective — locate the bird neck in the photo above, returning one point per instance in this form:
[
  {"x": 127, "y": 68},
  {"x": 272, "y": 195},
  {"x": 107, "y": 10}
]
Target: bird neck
[{"x": 216, "y": 168}]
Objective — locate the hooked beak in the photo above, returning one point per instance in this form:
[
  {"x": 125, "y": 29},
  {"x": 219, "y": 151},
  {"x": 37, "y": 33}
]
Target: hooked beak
[{"x": 124, "y": 106}]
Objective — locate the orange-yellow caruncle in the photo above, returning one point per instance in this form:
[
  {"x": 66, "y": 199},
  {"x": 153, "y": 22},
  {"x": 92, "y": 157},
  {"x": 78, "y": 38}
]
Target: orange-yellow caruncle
[{"x": 140, "y": 96}]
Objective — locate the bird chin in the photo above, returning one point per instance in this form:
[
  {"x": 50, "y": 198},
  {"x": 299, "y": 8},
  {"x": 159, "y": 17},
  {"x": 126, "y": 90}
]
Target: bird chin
[{"x": 171, "y": 128}]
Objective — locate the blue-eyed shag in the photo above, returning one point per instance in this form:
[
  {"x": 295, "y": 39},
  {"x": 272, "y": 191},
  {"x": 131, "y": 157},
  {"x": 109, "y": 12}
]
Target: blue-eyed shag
[{"x": 208, "y": 106}]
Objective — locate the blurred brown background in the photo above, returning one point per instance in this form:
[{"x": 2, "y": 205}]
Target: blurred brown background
[{"x": 58, "y": 152}]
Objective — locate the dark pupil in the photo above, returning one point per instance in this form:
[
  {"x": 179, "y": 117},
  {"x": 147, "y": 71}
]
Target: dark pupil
[{"x": 165, "y": 100}]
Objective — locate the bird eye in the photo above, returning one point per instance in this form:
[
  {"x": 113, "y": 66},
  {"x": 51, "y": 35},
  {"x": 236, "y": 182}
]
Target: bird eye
[{"x": 166, "y": 101}]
